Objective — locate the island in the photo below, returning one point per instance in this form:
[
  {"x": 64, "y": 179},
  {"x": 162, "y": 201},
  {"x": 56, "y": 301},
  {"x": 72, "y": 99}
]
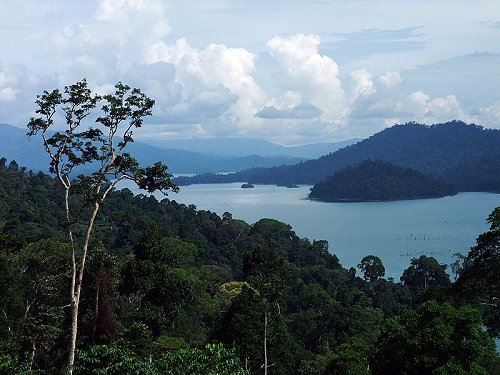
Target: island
[
  {"x": 378, "y": 181},
  {"x": 247, "y": 186}
]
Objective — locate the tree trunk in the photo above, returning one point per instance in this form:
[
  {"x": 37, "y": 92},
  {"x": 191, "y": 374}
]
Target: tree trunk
[
  {"x": 7, "y": 320},
  {"x": 74, "y": 330},
  {"x": 77, "y": 285},
  {"x": 96, "y": 313},
  {"x": 74, "y": 300},
  {"x": 265, "y": 342},
  {"x": 32, "y": 356}
]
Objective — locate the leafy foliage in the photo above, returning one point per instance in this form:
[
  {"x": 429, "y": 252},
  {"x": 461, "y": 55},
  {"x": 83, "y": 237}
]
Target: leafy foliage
[
  {"x": 79, "y": 147},
  {"x": 425, "y": 272},
  {"x": 377, "y": 181},
  {"x": 350, "y": 359},
  {"x": 211, "y": 360},
  {"x": 434, "y": 339},
  {"x": 479, "y": 281},
  {"x": 372, "y": 268},
  {"x": 168, "y": 280}
]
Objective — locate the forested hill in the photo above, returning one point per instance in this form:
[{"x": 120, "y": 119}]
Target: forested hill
[
  {"x": 465, "y": 156},
  {"x": 169, "y": 289},
  {"x": 378, "y": 181}
]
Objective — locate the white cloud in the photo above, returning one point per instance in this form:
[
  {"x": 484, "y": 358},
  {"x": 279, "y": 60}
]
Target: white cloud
[
  {"x": 363, "y": 84},
  {"x": 390, "y": 81},
  {"x": 424, "y": 109},
  {"x": 416, "y": 104},
  {"x": 106, "y": 45},
  {"x": 293, "y": 93},
  {"x": 289, "y": 100},
  {"x": 214, "y": 73},
  {"x": 314, "y": 76},
  {"x": 9, "y": 80},
  {"x": 490, "y": 116},
  {"x": 302, "y": 110},
  {"x": 377, "y": 104},
  {"x": 18, "y": 90},
  {"x": 373, "y": 98},
  {"x": 7, "y": 94},
  {"x": 7, "y": 76}
]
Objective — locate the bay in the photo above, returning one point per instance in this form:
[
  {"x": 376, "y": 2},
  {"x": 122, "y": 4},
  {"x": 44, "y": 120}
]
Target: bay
[{"x": 394, "y": 231}]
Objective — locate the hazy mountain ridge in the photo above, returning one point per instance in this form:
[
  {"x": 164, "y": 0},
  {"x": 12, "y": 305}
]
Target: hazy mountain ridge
[
  {"x": 238, "y": 147},
  {"x": 462, "y": 155},
  {"x": 16, "y": 145},
  {"x": 28, "y": 152}
]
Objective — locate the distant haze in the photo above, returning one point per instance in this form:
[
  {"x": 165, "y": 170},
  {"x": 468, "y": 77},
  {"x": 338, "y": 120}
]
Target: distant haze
[
  {"x": 289, "y": 72},
  {"x": 186, "y": 156},
  {"x": 250, "y": 146}
]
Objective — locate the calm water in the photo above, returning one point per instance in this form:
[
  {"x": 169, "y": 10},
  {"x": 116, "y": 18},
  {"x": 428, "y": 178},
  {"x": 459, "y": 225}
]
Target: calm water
[{"x": 394, "y": 231}]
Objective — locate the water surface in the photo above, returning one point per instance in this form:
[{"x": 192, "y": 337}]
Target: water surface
[{"x": 394, "y": 231}]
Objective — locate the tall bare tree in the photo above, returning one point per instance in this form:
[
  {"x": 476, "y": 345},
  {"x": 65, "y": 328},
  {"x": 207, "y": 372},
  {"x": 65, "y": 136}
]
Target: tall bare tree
[{"x": 98, "y": 150}]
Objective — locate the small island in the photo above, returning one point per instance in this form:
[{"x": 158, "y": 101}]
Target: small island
[
  {"x": 247, "y": 186},
  {"x": 378, "y": 181}
]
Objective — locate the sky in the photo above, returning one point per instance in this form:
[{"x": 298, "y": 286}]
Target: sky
[{"x": 287, "y": 71}]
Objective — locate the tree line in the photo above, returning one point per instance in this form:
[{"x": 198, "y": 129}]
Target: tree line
[{"x": 166, "y": 282}]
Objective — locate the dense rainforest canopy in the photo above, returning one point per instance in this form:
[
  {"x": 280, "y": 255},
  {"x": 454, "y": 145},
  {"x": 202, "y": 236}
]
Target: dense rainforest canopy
[
  {"x": 172, "y": 289},
  {"x": 378, "y": 181}
]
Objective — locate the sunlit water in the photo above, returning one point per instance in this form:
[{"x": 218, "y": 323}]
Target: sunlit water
[{"x": 394, "y": 231}]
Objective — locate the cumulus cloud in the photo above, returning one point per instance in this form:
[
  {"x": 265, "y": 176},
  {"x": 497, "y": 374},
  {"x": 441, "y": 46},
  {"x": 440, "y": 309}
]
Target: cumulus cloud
[
  {"x": 390, "y": 81},
  {"x": 215, "y": 89},
  {"x": 289, "y": 106},
  {"x": 378, "y": 102},
  {"x": 363, "y": 84},
  {"x": 116, "y": 37},
  {"x": 18, "y": 90},
  {"x": 424, "y": 109},
  {"x": 373, "y": 97},
  {"x": 490, "y": 116},
  {"x": 287, "y": 101},
  {"x": 301, "y": 111},
  {"x": 217, "y": 75},
  {"x": 10, "y": 77},
  {"x": 313, "y": 75},
  {"x": 7, "y": 94}
]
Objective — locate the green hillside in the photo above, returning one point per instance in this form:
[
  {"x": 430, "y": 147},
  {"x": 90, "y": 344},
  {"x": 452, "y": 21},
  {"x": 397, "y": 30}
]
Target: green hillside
[
  {"x": 464, "y": 156},
  {"x": 171, "y": 289},
  {"x": 378, "y": 181}
]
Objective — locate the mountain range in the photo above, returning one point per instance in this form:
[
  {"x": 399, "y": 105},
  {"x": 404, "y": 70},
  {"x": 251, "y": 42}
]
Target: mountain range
[
  {"x": 465, "y": 156},
  {"x": 210, "y": 155},
  {"x": 241, "y": 147}
]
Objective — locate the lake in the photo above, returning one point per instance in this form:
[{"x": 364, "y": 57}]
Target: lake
[{"x": 394, "y": 231}]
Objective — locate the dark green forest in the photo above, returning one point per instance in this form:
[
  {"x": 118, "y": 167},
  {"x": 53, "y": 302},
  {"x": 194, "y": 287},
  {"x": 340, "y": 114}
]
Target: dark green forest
[
  {"x": 462, "y": 155},
  {"x": 378, "y": 181},
  {"x": 172, "y": 289}
]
